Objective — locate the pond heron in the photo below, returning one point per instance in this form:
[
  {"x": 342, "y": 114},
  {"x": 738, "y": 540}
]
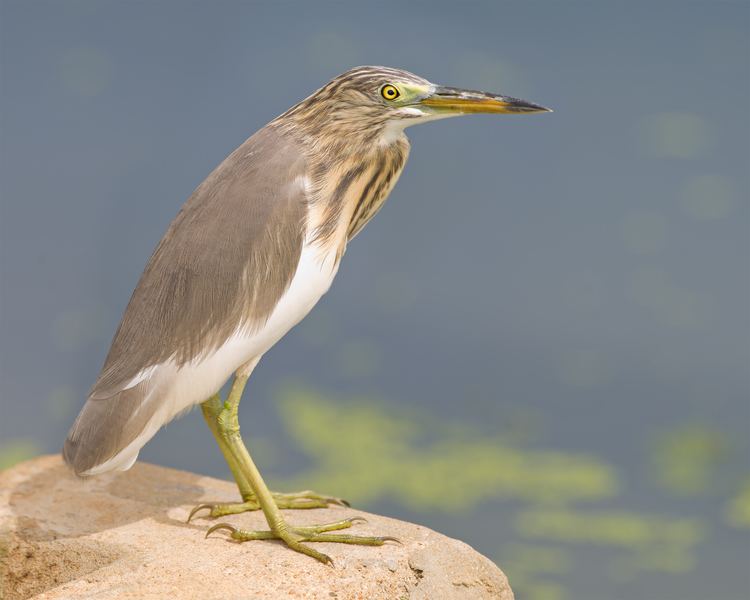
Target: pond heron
[{"x": 247, "y": 257}]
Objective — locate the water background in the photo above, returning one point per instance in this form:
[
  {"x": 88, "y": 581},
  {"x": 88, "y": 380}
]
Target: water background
[{"x": 539, "y": 346}]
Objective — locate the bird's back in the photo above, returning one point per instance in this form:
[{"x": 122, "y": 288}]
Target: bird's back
[{"x": 222, "y": 266}]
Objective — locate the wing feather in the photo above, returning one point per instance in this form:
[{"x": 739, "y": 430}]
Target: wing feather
[{"x": 224, "y": 262}]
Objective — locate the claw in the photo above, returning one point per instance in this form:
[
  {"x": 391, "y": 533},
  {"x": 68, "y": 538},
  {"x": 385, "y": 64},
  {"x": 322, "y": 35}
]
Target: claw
[
  {"x": 357, "y": 520},
  {"x": 226, "y": 526},
  {"x": 197, "y": 508},
  {"x": 336, "y": 501},
  {"x": 388, "y": 538}
]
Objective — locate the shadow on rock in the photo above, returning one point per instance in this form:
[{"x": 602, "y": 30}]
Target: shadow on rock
[
  {"x": 47, "y": 508},
  {"x": 54, "y": 503}
]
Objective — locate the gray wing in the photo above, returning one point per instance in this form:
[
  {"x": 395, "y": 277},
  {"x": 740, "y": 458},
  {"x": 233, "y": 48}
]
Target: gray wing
[{"x": 225, "y": 260}]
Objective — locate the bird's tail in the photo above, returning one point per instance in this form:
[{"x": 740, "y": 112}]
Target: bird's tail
[{"x": 109, "y": 432}]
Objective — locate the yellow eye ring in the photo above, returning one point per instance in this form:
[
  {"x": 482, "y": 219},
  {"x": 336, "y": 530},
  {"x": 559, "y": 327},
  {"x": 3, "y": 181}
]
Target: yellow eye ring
[{"x": 389, "y": 92}]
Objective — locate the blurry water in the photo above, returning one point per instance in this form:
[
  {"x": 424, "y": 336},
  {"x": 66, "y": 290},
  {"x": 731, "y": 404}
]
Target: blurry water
[{"x": 540, "y": 346}]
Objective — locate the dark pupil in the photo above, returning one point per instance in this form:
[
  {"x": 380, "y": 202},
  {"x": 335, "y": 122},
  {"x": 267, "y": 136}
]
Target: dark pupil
[{"x": 390, "y": 91}]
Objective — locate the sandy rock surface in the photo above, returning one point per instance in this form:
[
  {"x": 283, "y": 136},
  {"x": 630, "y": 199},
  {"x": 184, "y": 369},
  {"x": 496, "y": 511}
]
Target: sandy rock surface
[{"x": 124, "y": 536}]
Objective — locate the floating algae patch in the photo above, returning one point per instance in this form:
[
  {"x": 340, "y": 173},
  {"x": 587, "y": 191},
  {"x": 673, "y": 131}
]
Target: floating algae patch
[
  {"x": 654, "y": 542},
  {"x": 367, "y": 452},
  {"x": 738, "y": 511},
  {"x": 530, "y": 567},
  {"x": 684, "y": 459}
]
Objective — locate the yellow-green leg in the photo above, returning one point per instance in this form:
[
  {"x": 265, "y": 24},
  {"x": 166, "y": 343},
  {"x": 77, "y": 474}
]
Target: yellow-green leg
[
  {"x": 212, "y": 409},
  {"x": 229, "y": 429}
]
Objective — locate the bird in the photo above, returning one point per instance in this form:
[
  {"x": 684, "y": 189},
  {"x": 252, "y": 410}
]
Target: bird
[{"x": 249, "y": 254}]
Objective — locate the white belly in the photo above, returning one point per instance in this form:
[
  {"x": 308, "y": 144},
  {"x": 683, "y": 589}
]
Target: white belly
[
  {"x": 313, "y": 278},
  {"x": 200, "y": 379}
]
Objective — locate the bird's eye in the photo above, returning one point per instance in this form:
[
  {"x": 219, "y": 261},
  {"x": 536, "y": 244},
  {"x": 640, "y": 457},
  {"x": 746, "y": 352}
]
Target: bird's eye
[{"x": 389, "y": 92}]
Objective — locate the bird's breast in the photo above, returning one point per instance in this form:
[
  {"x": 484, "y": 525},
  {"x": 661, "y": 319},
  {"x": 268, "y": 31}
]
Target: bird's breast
[{"x": 348, "y": 193}]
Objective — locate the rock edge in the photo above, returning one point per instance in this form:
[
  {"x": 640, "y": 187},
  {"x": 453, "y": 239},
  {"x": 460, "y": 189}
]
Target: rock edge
[{"x": 124, "y": 536}]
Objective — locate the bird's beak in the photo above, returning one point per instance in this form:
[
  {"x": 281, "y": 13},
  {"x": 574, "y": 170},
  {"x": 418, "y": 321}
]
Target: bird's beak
[{"x": 458, "y": 101}]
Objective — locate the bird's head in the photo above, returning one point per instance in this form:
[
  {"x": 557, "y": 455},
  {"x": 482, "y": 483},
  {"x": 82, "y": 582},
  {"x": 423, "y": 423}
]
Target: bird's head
[{"x": 379, "y": 102}]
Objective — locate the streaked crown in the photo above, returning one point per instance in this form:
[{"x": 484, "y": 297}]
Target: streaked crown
[{"x": 356, "y": 105}]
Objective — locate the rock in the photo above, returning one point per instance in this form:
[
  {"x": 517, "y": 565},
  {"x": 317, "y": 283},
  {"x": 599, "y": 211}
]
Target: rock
[{"x": 124, "y": 535}]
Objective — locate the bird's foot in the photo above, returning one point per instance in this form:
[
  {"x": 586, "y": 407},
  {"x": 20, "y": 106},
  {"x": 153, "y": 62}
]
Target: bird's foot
[
  {"x": 294, "y": 536},
  {"x": 294, "y": 500}
]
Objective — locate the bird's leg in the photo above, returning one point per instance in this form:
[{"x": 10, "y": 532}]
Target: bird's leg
[
  {"x": 221, "y": 422},
  {"x": 211, "y": 409},
  {"x": 229, "y": 429}
]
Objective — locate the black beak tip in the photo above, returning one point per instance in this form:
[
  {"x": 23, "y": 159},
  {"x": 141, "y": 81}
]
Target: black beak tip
[{"x": 524, "y": 106}]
